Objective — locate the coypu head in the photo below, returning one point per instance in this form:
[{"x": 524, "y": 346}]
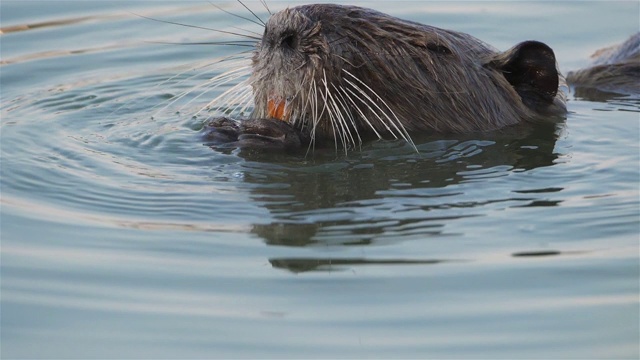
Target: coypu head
[{"x": 343, "y": 72}]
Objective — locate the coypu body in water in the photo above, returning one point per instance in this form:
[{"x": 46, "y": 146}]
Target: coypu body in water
[
  {"x": 334, "y": 74},
  {"x": 615, "y": 69}
]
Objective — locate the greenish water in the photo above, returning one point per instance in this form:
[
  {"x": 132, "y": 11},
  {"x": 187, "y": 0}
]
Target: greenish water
[{"x": 122, "y": 236}]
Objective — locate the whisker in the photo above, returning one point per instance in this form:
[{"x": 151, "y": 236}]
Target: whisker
[
  {"x": 229, "y": 43},
  {"x": 371, "y": 109},
  {"x": 221, "y": 61},
  {"x": 362, "y": 92},
  {"x": 230, "y": 97},
  {"x": 221, "y": 79},
  {"x": 362, "y": 115},
  {"x": 345, "y": 109},
  {"x": 298, "y": 112},
  {"x": 335, "y": 123},
  {"x": 249, "y": 101},
  {"x": 264, "y": 3},
  {"x": 252, "y": 13},
  {"x": 346, "y": 131},
  {"x": 241, "y": 100},
  {"x": 247, "y": 43},
  {"x": 313, "y": 95},
  {"x": 228, "y": 92},
  {"x": 399, "y": 127},
  {"x": 303, "y": 112},
  {"x": 248, "y": 31},
  {"x": 344, "y": 125},
  {"x": 236, "y": 15},
  {"x": 198, "y": 27}
]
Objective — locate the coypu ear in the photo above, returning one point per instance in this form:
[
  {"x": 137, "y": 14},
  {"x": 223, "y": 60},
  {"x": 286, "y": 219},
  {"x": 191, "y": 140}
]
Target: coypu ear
[{"x": 530, "y": 67}]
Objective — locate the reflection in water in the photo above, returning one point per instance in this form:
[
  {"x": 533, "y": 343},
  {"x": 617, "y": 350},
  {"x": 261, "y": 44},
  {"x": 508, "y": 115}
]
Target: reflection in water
[
  {"x": 387, "y": 191},
  {"x": 536, "y": 253},
  {"x": 299, "y": 265},
  {"x": 591, "y": 94},
  {"x": 317, "y": 264}
]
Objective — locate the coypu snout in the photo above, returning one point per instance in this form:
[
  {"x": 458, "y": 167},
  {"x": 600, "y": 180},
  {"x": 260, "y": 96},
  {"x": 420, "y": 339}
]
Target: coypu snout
[{"x": 291, "y": 42}]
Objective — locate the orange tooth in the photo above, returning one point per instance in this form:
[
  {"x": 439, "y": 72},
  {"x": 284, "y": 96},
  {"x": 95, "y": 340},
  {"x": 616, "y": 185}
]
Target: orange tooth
[{"x": 276, "y": 110}]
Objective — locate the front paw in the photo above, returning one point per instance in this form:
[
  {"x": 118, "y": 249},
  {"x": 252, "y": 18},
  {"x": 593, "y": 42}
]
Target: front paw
[
  {"x": 221, "y": 130},
  {"x": 269, "y": 134},
  {"x": 253, "y": 134}
]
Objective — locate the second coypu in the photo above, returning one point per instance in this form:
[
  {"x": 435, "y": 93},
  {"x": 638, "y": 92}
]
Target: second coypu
[
  {"x": 615, "y": 69},
  {"x": 339, "y": 74}
]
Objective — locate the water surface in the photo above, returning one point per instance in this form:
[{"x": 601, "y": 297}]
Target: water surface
[{"x": 124, "y": 237}]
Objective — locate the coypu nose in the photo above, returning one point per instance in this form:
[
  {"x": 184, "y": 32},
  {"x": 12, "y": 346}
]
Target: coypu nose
[
  {"x": 285, "y": 28},
  {"x": 289, "y": 40}
]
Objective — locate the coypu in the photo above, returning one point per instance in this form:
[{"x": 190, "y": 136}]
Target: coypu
[
  {"x": 615, "y": 69},
  {"x": 339, "y": 74}
]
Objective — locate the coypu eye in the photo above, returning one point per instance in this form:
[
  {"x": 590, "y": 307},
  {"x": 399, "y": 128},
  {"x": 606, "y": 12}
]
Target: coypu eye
[
  {"x": 289, "y": 40},
  {"x": 440, "y": 49}
]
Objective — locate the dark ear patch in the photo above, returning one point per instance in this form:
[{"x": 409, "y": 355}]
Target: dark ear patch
[{"x": 530, "y": 67}]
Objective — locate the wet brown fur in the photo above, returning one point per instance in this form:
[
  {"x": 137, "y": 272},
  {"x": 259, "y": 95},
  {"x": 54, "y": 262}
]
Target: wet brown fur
[
  {"x": 614, "y": 69},
  {"x": 346, "y": 71}
]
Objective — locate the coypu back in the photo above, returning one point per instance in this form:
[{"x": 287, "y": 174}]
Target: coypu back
[
  {"x": 344, "y": 71},
  {"x": 614, "y": 69}
]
